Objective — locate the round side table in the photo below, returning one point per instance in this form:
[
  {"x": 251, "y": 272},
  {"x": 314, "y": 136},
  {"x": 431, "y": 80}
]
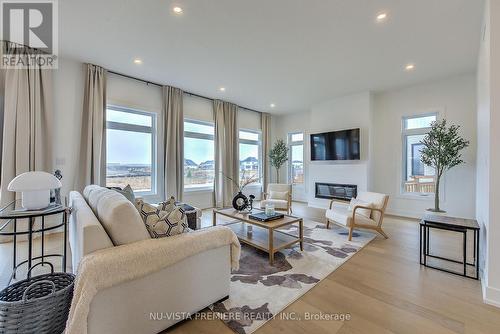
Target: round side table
[{"x": 10, "y": 228}]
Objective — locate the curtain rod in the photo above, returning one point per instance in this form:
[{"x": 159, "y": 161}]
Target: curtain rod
[{"x": 186, "y": 92}]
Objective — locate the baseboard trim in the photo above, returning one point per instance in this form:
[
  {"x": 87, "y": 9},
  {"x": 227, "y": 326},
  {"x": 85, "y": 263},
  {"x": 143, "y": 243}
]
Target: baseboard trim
[
  {"x": 404, "y": 214},
  {"x": 491, "y": 296}
]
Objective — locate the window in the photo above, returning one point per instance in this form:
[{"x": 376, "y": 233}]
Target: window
[
  {"x": 296, "y": 161},
  {"x": 130, "y": 149},
  {"x": 250, "y": 152},
  {"x": 199, "y": 164},
  {"x": 417, "y": 177}
]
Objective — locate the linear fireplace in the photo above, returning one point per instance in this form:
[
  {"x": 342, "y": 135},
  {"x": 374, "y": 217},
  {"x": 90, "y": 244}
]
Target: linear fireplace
[{"x": 336, "y": 191}]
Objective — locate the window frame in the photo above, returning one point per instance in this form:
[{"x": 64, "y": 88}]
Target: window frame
[
  {"x": 257, "y": 142},
  {"x": 291, "y": 143},
  {"x": 153, "y": 130},
  {"x": 404, "y": 157},
  {"x": 197, "y": 135}
]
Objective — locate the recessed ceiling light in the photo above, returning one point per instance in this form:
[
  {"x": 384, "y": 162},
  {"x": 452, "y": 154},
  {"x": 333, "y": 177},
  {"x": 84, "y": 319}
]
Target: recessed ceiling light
[
  {"x": 137, "y": 61},
  {"x": 410, "y": 67},
  {"x": 272, "y": 105},
  {"x": 177, "y": 10},
  {"x": 381, "y": 17},
  {"x": 222, "y": 89}
]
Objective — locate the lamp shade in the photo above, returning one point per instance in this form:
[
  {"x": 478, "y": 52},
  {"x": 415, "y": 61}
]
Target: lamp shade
[{"x": 35, "y": 188}]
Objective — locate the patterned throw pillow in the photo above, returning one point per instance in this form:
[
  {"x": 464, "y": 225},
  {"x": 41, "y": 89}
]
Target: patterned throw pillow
[
  {"x": 168, "y": 205},
  {"x": 162, "y": 223},
  {"x": 145, "y": 209}
]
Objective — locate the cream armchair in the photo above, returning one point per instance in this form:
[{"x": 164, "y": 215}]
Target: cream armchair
[
  {"x": 280, "y": 195},
  {"x": 340, "y": 214}
]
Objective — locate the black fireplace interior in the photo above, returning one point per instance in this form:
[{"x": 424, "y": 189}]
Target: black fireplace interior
[{"x": 336, "y": 191}]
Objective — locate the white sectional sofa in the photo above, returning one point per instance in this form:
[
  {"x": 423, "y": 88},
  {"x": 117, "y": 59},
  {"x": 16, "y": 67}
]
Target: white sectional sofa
[{"x": 187, "y": 286}]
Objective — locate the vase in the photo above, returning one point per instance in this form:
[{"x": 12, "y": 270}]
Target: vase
[{"x": 240, "y": 202}]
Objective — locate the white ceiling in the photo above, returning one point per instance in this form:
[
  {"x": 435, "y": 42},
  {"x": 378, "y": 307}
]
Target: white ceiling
[{"x": 290, "y": 52}]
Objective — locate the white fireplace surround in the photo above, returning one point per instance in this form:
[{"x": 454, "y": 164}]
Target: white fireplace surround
[{"x": 352, "y": 173}]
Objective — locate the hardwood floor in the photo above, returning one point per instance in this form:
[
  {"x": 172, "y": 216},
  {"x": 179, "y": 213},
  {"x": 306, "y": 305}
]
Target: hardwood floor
[{"x": 383, "y": 288}]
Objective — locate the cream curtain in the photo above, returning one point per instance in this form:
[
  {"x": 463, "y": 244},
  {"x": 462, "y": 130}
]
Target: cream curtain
[
  {"x": 265, "y": 122},
  {"x": 27, "y": 120},
  {"x": 174, "y": 141},
  {"x": 92, "y": 165},
  {"x": 226, "y": 152}
]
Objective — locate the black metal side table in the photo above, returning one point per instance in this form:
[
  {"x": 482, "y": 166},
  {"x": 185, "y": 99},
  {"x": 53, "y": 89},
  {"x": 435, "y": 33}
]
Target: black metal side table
[
  {"x": 10, "y": 228},
  {"x": 459, "y": 225}
]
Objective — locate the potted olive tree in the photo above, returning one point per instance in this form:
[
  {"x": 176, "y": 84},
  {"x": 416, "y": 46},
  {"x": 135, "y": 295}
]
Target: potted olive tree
[
  {"x": 278, "y": 155},
  {"x": 441, "y": 151}
]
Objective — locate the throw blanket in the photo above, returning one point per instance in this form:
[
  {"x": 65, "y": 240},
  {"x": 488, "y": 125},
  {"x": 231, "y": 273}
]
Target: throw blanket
[{"x": 109, "y": 267}]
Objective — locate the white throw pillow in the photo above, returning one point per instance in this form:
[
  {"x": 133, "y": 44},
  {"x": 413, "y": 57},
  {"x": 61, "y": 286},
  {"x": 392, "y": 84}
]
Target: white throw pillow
[
  {"x": 283, "y": 195},
  {"x": 363, "y": 212}
]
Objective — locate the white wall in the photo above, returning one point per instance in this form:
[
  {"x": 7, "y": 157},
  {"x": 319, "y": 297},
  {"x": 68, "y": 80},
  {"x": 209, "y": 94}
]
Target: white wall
[
  {"x": 493, "y": 289},
  {"x": 488, "y": 157},
  {"x": 197, "y": 108},
  {"x": 483, "y": 141},
  {"x": 350, "y": 111},
  {"x": 134, "y": 94},
  {"x": 454, "y": 99},
  {"x": 379, "y": 115},
  {"x": 346, "y": 112}
]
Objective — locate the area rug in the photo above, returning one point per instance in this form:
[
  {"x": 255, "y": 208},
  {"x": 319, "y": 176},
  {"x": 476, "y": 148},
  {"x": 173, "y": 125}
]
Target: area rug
[{"x": 259, "y": 291}]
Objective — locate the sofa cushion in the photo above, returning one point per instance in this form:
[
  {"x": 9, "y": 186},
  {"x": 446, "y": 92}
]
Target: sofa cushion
[
  {"x": 89, "y": 190},
  {"x": 93, "y": 194},
  {"x": 343, "y": 216},
  {"x": 86, "y": 234},
  {"x": 118, "y": 215}
]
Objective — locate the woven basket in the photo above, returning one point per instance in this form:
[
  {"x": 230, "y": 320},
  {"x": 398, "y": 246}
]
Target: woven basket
[{"x": 37, "y": 304}]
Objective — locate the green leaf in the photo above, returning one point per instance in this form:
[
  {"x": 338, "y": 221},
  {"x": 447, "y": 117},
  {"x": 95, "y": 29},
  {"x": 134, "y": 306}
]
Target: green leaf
[
  {"x": 442, "y": 147},
  {"x": 278, "y": 154}
]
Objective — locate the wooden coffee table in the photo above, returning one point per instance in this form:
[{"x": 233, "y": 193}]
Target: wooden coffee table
[{"x": 265, "y": 235}]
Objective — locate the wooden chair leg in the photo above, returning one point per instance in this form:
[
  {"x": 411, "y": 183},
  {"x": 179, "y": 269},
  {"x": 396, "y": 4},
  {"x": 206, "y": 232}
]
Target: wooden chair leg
[
  {"x": 383, "y": 233},
  {"x": 350, "y": 232},
  {"x": 327, "y": 224}
]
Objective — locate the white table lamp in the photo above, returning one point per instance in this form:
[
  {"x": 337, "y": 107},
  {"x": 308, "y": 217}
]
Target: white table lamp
[{"x": 35, "y": 188}]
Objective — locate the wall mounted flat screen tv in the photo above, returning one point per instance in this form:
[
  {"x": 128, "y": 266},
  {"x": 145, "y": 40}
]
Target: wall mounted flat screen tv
[{"x": 336, "y": 145}]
